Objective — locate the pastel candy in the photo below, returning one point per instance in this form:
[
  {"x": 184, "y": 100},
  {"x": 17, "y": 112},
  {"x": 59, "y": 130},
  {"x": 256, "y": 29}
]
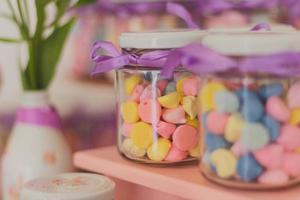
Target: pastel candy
[
  {"x": 226, "y": 102},
  {"x": 162, "y": 84},
  {"x": 216, "y": 122},
  {"x": 190, "y": 86},
  {"x": 254, "y": 136},
  {"x": 141, "y": 135},
  {"x": 273, "y": 127},
  {"x": 192, "y": 122},
  {"x": 189, "y": 105},
  {"x": 295, "y": 117},
  {"x": 175, "y": 115},
  {"x": 238, "y": 149},
  {"x": 131, "y": 83},
  {"x": 207, "y": 95},
  {"x": 129, "y": 111},
  {"x": 273, "y": 177},
  {"x": 150, "y": 92},
  {"x": 170, "y": 100},
  {"x": 165, "y": 129},
  {"x": 289, "y": 137},
  {"x": 126, "y": 129},
  {"x": 159, "y": 150},
  {"x": 234, "y": 127},
  {"x": 137, "y": 92},
  {"x": 274, "y": 89},
  {"x": 225, "y": 163},
  {"x": 171, "y": 87},
  {"x": 176, "y": 155},
  {"x": 248, "y": 168},
  {"x": 149, "y": 111},
  {"x": 185, "y": 137},
  {"x": 291, "y": 164},
  {"x": 130, "y": 148},
  {"x": 214, "y": 142},
  {"x": 206, "y": 158},
  {"x": 277, "y": 109},
  {"x": 195, "y": 152},
  {"x": 271, "y": 156},
  {"x": 179, "y": 85},
  {"x": 293, "y": 96},
  {"x": 252, "y": 108},
  {"x": 246, "y": 93}
]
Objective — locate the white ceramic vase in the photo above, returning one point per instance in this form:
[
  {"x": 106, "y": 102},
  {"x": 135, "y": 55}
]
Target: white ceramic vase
[{"x": 36, "y": 147}]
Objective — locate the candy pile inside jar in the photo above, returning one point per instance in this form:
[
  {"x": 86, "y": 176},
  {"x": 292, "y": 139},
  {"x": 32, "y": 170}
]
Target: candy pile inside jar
[
  {"x": 251, "y": 121},
  {"x": 159, "y": 117}
]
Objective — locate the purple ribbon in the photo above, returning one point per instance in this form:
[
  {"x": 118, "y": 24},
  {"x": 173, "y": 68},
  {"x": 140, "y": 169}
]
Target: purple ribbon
[
  {"x": 215, "y": 6},
  {"x": 44, "y": 116}
]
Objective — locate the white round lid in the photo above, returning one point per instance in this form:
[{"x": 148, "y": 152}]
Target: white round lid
[
  {"x": 274, "y": 27},
  {"x": 160, "y": 39},
  {"x": 69, "y": 186},
  {"x": 244, "y": 43}
]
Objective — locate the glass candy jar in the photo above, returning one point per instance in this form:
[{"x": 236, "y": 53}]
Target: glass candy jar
[
  {"x": 158, "y": 117},
  {"x": 251, "y": 112}
]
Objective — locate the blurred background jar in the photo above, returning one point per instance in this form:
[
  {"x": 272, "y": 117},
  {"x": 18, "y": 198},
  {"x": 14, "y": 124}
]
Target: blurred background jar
[
  {"x": 157, "y": 116},
  {"x": 250, "y": 110}
]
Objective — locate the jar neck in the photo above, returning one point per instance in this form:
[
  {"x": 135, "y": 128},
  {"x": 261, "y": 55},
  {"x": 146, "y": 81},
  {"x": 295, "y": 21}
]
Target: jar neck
[{"x": 35, "y": 99}]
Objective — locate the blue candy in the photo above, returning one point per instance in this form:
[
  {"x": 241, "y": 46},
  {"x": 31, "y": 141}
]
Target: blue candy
[
  {"x": 214, "y": 142},
  {"x": 252, "y": 108},
  {"x": 171, "y": 87},
  {"x": 226, "y": 101},
  {"x": 275, "y": 89},
  {"x": 248, "y": 168},
  {"x": 273, "y": 127}
]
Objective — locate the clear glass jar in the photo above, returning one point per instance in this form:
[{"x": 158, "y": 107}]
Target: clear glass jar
[
  {"x": 251, "y": 120},
  {"x": 157, "y": 117}
]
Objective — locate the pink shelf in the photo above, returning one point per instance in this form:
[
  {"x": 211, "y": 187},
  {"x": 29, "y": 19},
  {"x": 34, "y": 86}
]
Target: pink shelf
[{"x": 185, "y": 182}]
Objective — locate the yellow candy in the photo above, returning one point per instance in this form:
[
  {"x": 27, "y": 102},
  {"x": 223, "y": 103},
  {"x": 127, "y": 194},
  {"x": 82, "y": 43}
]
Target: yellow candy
[
  {"x": 225, "y": 162},
  {"x": 295, "y": 117},
  {"x": 298, "y": 150},
  {"x": 141, "y": 135},
  {"x": 207, "y": 95},
  {"x": 190, "y": 106},
  {"x": 179, "y": 85},
  {"x": 131, "y": 82},
  {"x": 129, "y": 111},
  {"x": 170, "y": 100},
  {"x": 192, "y": 122},
  {"x": 234, "y": 127},
  {"x": 159, "y": 150},
  {"x": 195, "y": 152},
  {"x": 131, "y": 149}
]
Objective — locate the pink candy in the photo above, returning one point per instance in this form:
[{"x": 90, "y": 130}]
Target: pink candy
[
  {"x": 162, "y": 84},
  {"x": 175, "y": 154},
  {"x": 289, "y": 137},
  {"x": 165, "y": 129},
  {"x": 274, "y": 177},
  {"x": 216, "y": 122},
  {"x": 149, "y": 111},
  {"x": 150, "y": 93},
  {"x": 291, "y": 164},
  {"x": 185, "y": 137},
  {"x": 190, "y": 86},
  {"x": 277, "y": 109},
  {"x": 175, "y": 115},
  {"x": 238, "y": 149},
  {"x": 293, "y": 96},
  {"x": 271, "y": 156},
  {"x": 135, "y": 96},
  {"x": 126, "y": 127}
]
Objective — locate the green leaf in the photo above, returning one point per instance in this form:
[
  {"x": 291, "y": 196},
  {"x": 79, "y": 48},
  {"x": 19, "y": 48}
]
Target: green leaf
[
  {"x": 51, "y": 52},
  {"x": 10, "y": 40},
  {"x": 84, "y": 2}
]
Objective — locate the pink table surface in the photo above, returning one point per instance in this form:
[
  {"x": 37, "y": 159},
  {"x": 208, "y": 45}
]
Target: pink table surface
[{"x": 174, "y": 183}]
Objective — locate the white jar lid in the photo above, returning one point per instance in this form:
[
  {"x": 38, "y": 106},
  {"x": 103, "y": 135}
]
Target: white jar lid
[
  {"x": 244, "y": 43},
  {"x": 69, "y": 186},
  {"x": 274, "y": 27},
  {"x": 160, "y": 39}
]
